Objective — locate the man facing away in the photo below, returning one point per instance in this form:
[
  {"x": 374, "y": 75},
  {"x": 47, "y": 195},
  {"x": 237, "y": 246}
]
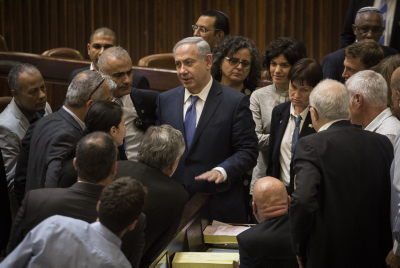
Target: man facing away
[
  {"x": 139, "y": 105},
  {"x": 159, "y": 154},
  {"x": 95, "y": 162},
  {"x": 65, "y": 241},
  {"x": 268, "y": 244},
  {"x": 368, "y": 104},
  {"x": 27, "y": 106},
  {"x": 49, "y": 141},
  {"x": 340, "y": 209},
  {"x": 101, "y": 39}
]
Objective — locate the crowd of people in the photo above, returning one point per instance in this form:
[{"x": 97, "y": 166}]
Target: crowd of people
[{"x": 314, "y": 156}]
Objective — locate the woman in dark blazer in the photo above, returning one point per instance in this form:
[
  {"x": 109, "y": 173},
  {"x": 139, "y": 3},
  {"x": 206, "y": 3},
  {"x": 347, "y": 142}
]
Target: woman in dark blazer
[{"x": 291, "y": 120}]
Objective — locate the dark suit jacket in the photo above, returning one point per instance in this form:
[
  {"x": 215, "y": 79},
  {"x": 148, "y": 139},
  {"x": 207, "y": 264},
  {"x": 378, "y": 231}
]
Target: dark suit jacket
[
  {"x": 224, "y": 137},
  {"x": 5, "y": 212},
  {"x": 48, "y": 142},
  {"x": 340, "y": 210},
  {"x": 79, "y": 202},
  {"x": 332, "y": 64},
  {"x": 279, "y": 121},
  {"x": 347, "y": 37},
  {"x": 138, "y": 81},
  {"x": 145, "y": 106},
  {"x": 268, "y": 244},
  {"x": 164, "y": 206}
]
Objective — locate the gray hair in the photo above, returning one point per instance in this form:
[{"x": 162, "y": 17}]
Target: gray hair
[
  {"x": 83, "y": 85},
  {"x": 331, "y": 100},
  {"x": 367, "y": 10},
  {"x": 371, "y": 85},
  {"x": 112, "y": 52},
  {"x": 203, "y": 48},
  {"x": 13, "y": 75},
  {"x": 160, "y": 146}
]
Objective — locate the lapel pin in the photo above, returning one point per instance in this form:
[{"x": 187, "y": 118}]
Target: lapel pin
[
  {"x": 280, "y": 122},
  {"x": 142, "y": 111},
  {"x": 310, "y": 125}
]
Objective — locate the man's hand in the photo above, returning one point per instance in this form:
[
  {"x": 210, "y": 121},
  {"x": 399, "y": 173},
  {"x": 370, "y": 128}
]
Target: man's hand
[
  {"x": 301, "y": 261},
  {"x": 392, "y": 260},
  {"x": 212, "y": 175}
]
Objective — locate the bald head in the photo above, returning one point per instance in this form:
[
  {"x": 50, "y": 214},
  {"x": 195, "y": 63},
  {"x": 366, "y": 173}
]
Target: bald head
[
  {"x": 270, "y": 199},
  {"x": 395, "y": 89}
]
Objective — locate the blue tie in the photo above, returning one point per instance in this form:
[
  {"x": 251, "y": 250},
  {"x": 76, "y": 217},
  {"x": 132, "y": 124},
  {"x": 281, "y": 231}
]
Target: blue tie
[
  {"x": 190, "y": 121},
  {"x": 297, "y": 121},
  {"x": 383, "y": 9}
]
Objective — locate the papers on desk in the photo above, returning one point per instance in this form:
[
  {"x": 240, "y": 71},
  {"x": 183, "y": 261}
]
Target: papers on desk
[
  {"x": 222, "y": 234},
  {"x": 205, "y": 260}
]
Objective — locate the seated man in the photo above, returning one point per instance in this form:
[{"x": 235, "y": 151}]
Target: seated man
[
  {"x": 69, "y": 242},
  {"x": 368, "y": 104},
  {"x": 27, "y": 106},
  {"x": 100, "y": 40},
  {"x": 368, "y": 24},
  {"x": 159, "y": 154},
  {"x": 48, "y": 142},
  {"x": 95, "y": 162},
  {"x": 268, "y": 244},
  {"x": 139, "y": 105},
  {"x": 212, "y": 26}
]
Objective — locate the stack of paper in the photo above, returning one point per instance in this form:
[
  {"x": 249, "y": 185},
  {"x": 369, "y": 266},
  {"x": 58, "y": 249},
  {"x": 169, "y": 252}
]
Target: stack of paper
[
  {"x": 205, "y": 260},
  {"x": 222, "y": 234}
]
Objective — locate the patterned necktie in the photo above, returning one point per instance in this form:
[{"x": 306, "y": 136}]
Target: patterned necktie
[
  {"x": 119, "y": 101},
  {"x": 297, "y": 121},
  {"x": 383, "y": 9},
  {"x": 190, "y": 121}
]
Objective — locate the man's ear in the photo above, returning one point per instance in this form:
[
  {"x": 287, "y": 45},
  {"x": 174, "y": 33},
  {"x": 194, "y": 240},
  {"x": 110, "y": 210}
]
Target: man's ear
[
  {"x": 98, "y": 206},
  {"x": 113, "y": 131},
  {"x": 208, "y": 60},
  {"x": 314, "y": 115},
  {"x": 132, "y": 226},
  {"x": 288, "y": 201},
  {"x": 220, "y": 35},
  {"x": 88, "y": 49},
  {"x": 75, "y": 165},
  {"x": 89, "y": 103},
  {"x": 14, "y": 93},
  {"x": 354, "y": 28},
  {"x": 254, "y": 208},
  {"x": 114, "y": 168},
  {"x": 358, "y": 100}
]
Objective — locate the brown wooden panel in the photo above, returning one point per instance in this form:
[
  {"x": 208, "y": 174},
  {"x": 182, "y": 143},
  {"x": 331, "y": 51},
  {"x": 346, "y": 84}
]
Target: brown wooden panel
[{"x": 154, "y": 26}]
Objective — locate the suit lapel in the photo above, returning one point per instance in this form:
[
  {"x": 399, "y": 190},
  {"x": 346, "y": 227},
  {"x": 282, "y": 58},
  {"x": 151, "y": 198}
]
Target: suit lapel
[
  {"x": 177, "y": 105},
  {"x": 282, "y": 121},
  {"x": 213, "y": 99},
  {"x": 70, "y": 119},
  {"x": 137, "y": 102},
  {"x": 19, "y": 115},
  {"x": 306, "y": 129}
]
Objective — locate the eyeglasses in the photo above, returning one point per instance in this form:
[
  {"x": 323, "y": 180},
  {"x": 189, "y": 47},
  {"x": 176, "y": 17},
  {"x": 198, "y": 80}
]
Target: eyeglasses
[
  {"x": 365, "y": 29},
  {"x": 101, "y": 82},
  {"x": 202, "y": 29},
  {"x": 235, "y": 62}
]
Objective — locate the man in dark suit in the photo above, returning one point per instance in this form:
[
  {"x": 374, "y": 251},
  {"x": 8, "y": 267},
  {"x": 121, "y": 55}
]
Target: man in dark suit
[
  {"x": 392, "y": 37},
  {"x": 159, "y": 154},
  {"x": 221, "y": 143},
  {"x": 268, "y": 244},
  {"x": 369, "y": 26},
  {"x": 100, "y": 40},
  {"x": 48, "y": 141},
  {"x": 139, "y": 105},
  {"x": 340, "y": 209},
  {"x": 5, "y": 212},
  {"x": 95, "y": 162}
]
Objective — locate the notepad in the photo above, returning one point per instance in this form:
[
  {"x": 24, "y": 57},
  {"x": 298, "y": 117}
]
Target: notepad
[
  {"x": 222, "y": 234},
  {"x": 205, "y": 260}
]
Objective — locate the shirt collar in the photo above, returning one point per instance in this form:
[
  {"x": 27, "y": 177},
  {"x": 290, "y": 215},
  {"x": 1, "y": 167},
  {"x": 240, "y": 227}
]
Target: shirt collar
[
  {"x": 107, "y": 234},
  {"x": 303, "y": 114},
  {"x": 81, "y": 124},
  {"x": 202, "y": 95},
  {"x": 327, "y": 125},
  {"x": 378, "y": 120},
  {"x": 92, "y": 67}
]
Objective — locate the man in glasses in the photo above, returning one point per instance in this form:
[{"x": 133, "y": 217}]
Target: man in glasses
[
  {"x": 50, "y": 140},
  {"x": 367, "y": 25},
  {"x": 212, "y": 26},
  {"x": 101, "y": 39}
]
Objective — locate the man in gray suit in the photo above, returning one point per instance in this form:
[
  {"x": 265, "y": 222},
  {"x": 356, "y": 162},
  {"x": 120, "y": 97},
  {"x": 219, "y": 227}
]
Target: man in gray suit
[{"x": 27, "y": 106}]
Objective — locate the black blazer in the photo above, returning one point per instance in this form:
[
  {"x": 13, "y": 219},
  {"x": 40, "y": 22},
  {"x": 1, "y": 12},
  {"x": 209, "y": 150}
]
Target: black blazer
[
  {"x": 332, "y": 64},
  {"x": 5, "y": 212},
  {"x": 279, "y": 122},
  {"x": 144, "y": 101},
  {"x": 45, "y": 146},
  {"x": 340, "y": 211},
  {"x": 347, "y": 37},
  {"x": 138, "y": 81},
  {"x": 78, "y": 202},
  {"x": 163, "y": 208},
  {"x": 268, "y": 244},
  {"x": 224, "y": 137}
]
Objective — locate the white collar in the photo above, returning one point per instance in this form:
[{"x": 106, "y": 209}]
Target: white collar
[
  {"x": 327, "y": 125},
  {"x": 377, "y": 122},
  {"x": 202, "y": 95}
]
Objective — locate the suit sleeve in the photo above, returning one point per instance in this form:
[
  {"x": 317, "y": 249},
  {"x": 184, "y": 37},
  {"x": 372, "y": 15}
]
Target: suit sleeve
[
  {"x": 134, "y": 241},
  {"x": 329, "y": 68},
  {"x": 347, "y": 36},
  {"x": 255, "y": 107},
  {"x": 244, "y": 141},
  {"x": 304, "y": 199},
  {"x": 245, "y": 260},
  {"x": 271, "y": 142},
  {"x": 10, "y": 148}
]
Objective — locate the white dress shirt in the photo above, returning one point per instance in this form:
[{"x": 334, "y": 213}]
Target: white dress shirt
[
  {"x": 285, "y": 155},
  {"x": 390, "y": 8},
  {"x": 386, "y": 124},
  {"x": 327, "y": 125},
  {"x": 199, "y": 109},
  {"x": 133, "y": 135}
]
